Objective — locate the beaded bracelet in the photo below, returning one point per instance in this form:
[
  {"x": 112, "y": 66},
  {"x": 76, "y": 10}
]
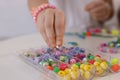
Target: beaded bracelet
[{"x": 36, "y": 11}]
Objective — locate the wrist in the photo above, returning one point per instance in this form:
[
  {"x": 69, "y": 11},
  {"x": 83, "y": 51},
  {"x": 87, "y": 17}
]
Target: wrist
[{"x": 40, "y": 9}]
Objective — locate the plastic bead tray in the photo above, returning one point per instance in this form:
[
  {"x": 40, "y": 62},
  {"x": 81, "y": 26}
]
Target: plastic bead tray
[
  {"x": 101, "y": 32},
  {"x": 73, "y": 63}
]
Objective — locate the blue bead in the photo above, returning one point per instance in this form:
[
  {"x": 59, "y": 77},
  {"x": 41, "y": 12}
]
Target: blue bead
[
  {"x": 82, "y": 50},
  {"x": 48, "y": 49},
  {"x": 77, "y": 48}
]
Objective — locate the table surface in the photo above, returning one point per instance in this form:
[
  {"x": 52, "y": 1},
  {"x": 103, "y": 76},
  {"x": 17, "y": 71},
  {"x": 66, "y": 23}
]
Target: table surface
[{"x": 13, "y": 68}]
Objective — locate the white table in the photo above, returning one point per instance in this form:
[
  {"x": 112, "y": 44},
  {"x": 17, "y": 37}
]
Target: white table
[{"x": 13, "y": 68}]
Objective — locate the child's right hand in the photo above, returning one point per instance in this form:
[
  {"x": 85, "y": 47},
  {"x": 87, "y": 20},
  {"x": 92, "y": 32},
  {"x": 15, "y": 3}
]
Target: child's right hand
[{"x": 51, "y": 25}]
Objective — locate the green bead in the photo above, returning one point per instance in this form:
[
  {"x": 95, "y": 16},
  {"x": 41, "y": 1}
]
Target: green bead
[
  {"x": 50, "y": 62},
  {"x": 78, "y": 64},
  {"x": 56, "y": 69},
  {"x": 91, "y": 57},
  {"x": 109, "y": 64},
  {"x": 114, "y": 61},
  {"x": 84, "y": 33}
]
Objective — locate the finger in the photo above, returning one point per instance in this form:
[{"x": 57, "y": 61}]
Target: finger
[
  {"x": 98, "y": 17},
  {"x": 49, "y": 27},
  {"x": 41, "y": 27},
  {"x": 59, "y": 27},
  {"x": 98, "y": 10},
  {"x": 93, "y": 5}
]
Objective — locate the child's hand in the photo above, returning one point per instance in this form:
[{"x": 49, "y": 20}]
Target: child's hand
[
  {"x": 99, "y": 10},
  {"x": 51, "y": 24}
]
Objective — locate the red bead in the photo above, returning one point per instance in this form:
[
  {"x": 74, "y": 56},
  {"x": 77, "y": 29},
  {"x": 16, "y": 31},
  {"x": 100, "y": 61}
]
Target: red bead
[
  {"x": 91, "y": 61},
  {"x": 97, "y": 30},
  {"x": 88, "y": 34},
  {"x": 98, "y": 56},
  {"x": 63, "y": 66},
  {"x": 115, "y": 68}
]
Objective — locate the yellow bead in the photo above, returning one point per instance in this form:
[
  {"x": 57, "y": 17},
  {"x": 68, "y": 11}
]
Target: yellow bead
[
  {"x": 61, "y": 73},
  {"x": 115, "y": 32},
  {"x": 104, "y": 31},
  {"x": 97, "y": 63},
  {"x": 81, "y": 72},
  {"x": 67, "y": 77},
  {"x": 104, "y": 65},
  {"x": 87, "y": 68},
  {"x": 82, "y": 66},
  {"x": 75, "y": 74},
  {"x": 67, "y": 71},
  {"x": 99, "y": 70},
  {"x": 87, "y": 75},
  {"x": 74, "y": 67}
]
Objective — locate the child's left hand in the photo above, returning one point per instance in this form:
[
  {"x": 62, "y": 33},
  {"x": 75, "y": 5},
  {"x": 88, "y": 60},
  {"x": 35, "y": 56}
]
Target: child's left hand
[{"x": 100, "y": 10}]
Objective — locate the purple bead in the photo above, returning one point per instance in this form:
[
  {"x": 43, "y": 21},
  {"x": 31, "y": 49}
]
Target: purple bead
[
  {"x": 37, "y": 59},
  {"x": 83, "y": 55}
]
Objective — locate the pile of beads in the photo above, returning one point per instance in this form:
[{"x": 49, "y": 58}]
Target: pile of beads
[
  {"x": 110, "y": 47},
  {"x": 85, "y": 61},
  {"x": 43, "y": 58},
  {"x": 73, "y": 63},
  {"x": 101, "y": 32}
]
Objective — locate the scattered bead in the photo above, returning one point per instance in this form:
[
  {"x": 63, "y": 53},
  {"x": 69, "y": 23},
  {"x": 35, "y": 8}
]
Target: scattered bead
[
  {"x": 114, "y": 61},
  {"x": 115, "y": 68}
]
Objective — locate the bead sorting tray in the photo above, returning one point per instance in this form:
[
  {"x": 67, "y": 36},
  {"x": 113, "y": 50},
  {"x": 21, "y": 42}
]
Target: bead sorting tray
[{"x": 73, "y": 63}]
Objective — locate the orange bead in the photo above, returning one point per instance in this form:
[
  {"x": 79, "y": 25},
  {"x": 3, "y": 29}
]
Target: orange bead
[
  {"x": 50, "y": 67},
  {"x": 115, "y": 67}
]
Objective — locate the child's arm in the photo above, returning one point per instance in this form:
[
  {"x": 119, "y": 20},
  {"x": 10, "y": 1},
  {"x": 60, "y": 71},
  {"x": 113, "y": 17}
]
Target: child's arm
[
  {"x": 100, "y": 10},
  {"x": 50, "y": 22}
]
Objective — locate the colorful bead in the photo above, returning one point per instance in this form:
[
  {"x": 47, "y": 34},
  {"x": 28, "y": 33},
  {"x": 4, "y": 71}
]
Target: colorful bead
[
  {"x": 87, "y": 75},
  {"x": 91, "y": 61},
  {"x": 75, "y": 75},
  {"x": 72, "y": 61},
  {"x": 67, "y": 70},
  {"x": 63, "y": 66},
  {"x": 99, "y": 70},
  {"x": 97, "y": 63},
  {"x": 78, "y": 64},
  {"x": 61, "y": 73},
  {"x": 50, "y": 67},
  {"x": 87, "y": 68},
  {"x": 104, "y": 65},
  {"x": 74, "y": 67},
  {"x": 115, "y": 68},
  {"x": 73, "y": 43},
  {"x": 114, "y": 61},
  {"x": 56, "y": 69}
]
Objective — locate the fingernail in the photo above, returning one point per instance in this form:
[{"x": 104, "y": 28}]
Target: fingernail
[{"x": 59, "y": 43}]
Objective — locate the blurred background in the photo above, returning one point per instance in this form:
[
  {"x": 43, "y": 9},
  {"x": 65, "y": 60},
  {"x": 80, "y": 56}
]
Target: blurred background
[{"x": 16, "y": 20}]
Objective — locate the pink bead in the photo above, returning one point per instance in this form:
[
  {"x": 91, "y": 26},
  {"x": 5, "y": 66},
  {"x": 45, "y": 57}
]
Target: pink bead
[
  {"x": 72, "y": 61},
  {"x": 58, "y": 52},
  {"x": 39, "y": 9}
]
